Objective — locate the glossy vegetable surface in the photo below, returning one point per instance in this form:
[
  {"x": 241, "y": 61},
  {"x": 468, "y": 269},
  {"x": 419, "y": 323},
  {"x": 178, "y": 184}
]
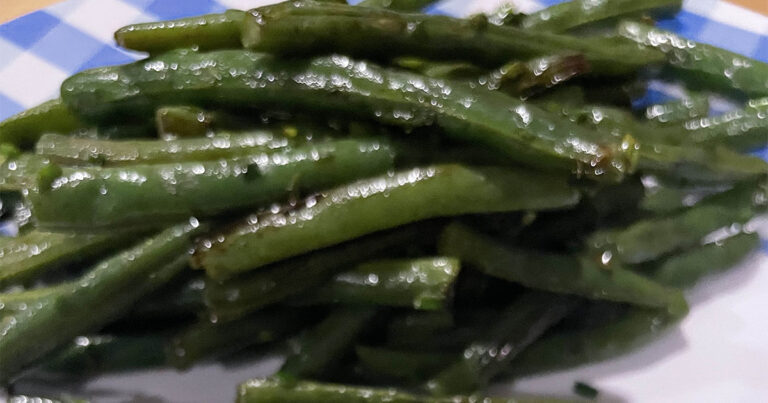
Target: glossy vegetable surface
[
  {"x": 424, "y": 283},
  {"x": 402, "y": 5},
  {"x": 212, "y": 31},
  {"x": 340, "y": 85},
  {"x": 518, "y": 326},
  {"x": 24, "y": 258},
  {"x": 707, "y": 65},
  {"x": 317, "y": 351},
  {"x": 412, "y": 366},
  {"x": 279, "y": 281},
  {"x": 558, "y": 273},
  {"x": 206, "y": 339},
  {"x": 650, "y": 239},
  {"x": 686, "y": 268},
  {"x": 570, "y": 14},
  {"x": 678, "y": 111},
  {"x": 349, "y": 30},
  {"x": 376, "y": 204},
  {"x": 286, "y": 389},
  {"x": 148, "y": 195},
  {"x": 89, "y": 355},
  {"x": 79, "y": 151},
  {"x": 123, "y": 279},
  {"x": 23, "y": 129}
]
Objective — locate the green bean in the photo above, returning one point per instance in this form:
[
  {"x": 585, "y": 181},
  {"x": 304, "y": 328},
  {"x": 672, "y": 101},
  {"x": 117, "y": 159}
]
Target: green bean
[
  {"x": 339, "y": 85},
  {"x": 663, "y": 196},
  {"x": 376, "y": 204},
  {"x": 678, "y": 111},
  {"x": 619, "y": 121},
  {"x": 205, "y": 339},
  {"x": 655, "y": 237},
  {"x": 711, "y": 66},
  {"x": 319, "y": 349},
  {"x": 178, "y": 300},
  {"x": 244, "y": 294},
  {"x": 403, "y": 330},
  {"x": 92, "y": 355},
  {"x": 430, "y": 68},
  {"x": 182, "y": 121},
  {"x": 603, "y": 117},
  {"x": 173, "y": 122},
  {"x": 696, "y": 155},
  {"x": 757, "y": 103},
  {"x": 23, "y": 129},
  {"x": 412, "y": 366},
  {"x": 78, "y": 151},
  {"x": 26, "y": 257},
  {"x": 423, "y": 283},
  {"x": 558, "y": 273},
  {"x": 425, "y": 151},
  {"x": 591, "y": 314},
  {"x": 401, "y": 5},
  {"x": 743, "y": 129},
  {"x": 108, "y": 290},
  {"x": 686, "y": 268},
  {"x": 210, "y": 31},
  {"x": 452, "y": 339},
  {"x": 518, "y": 326},
  {"x": 638, "y": 326},
  {"x": 19, "y": 172},
  {"x": 149, "y": 195},
  {"x": 568, "y": 349},
  {"x": 551, "y": 100},
  {"x": 691, "y": 163},
  {"x": 571, "y": 14},
  {"x": 434, "y": 37},
  {"x": 15, "y": 302},
  {"x": 526, "y": 78},
  {"x": 282, "y": 389}
]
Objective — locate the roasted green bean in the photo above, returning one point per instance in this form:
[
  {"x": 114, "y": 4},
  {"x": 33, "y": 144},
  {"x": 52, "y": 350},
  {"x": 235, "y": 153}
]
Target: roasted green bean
[
  {"x": 376, "y": 204},
  {"x": 570, "y": 14},
  {"x": 424, "y": 283},
  {"x": 284, "y": 29},
  {"x": 707, "y": 65},
  {"x": 244, "y": 294},
  {"x": 121, "y": 280},
  {"x": 23, "y": 129},
  {"x": 318, "y": 350},
  {"x": 558, "y": 273},
  {"x": 340, "y": 85},
  {"x": 212, "y": 31},
  {"x": 88, "y": 198}
]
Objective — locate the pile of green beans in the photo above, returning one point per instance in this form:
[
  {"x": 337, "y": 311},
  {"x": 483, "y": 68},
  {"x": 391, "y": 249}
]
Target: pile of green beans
[{"x": 416, "y": 205}]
